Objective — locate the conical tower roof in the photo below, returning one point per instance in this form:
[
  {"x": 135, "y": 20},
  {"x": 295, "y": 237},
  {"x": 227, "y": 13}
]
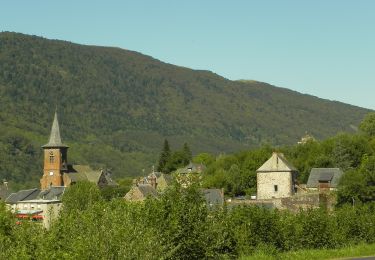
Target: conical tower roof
[{"x": 55, "y": 138}]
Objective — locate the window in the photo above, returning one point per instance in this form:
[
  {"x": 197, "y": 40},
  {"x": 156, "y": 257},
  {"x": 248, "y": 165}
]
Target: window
[
  {"x": 51, "y": 159},
  {"x": 275, "y": 188}
]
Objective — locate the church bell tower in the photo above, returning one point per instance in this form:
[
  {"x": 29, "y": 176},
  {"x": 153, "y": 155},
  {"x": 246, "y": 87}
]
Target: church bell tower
[{"x": 55, "y": 158}]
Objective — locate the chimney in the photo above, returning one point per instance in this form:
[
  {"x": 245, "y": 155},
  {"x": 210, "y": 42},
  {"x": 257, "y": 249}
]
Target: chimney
[
  {"x": 152, "y": 179},
  {"x": 5, "y": 182}
]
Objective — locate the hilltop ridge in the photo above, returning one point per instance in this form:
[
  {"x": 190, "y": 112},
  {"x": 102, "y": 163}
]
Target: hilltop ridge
[{"x": 116, "y": 106}]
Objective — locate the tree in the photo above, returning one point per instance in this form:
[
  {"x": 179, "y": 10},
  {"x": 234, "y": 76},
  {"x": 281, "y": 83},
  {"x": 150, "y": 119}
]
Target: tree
[
  {"x": 164, "y": 157},
  {"x": 177, "y": 160},
  {"x": 359, "y": 184},
  {"x": 80, "y": 196},
  {"x": 204, "y": 158},
  {"x": 368, "y": 124},
  {"x": 187, "y": 152}
]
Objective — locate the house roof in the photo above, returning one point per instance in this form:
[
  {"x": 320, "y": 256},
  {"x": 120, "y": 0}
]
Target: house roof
[
  {"x": 110, "y": 181},
  {"x": 277, "y": 163},
  {"x": 85, "y": 173},
  {"x": 332, "y": 175},
  {"x": 22, "y": 195},
  {"x": 53, "y": 193},
  {"x": 213, "y": 197},
  {"x": 191, "y": 167},
  {"x": 55, "y": 138},
  {"x": 147, "y": 190}
]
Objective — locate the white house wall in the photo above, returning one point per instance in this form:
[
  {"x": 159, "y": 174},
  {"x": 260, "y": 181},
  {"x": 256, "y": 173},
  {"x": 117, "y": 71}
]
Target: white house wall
[{"x": 266, "y": 182}]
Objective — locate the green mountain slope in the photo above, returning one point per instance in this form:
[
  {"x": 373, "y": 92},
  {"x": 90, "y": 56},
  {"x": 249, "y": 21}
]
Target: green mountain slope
[{"x": 116, "y": 106}]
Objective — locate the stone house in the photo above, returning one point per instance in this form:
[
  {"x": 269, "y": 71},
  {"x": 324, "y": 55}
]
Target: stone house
[
  {"x": 140, "y": 192},
  {"x": 41, "y": 206},
  {"x": 39, "y": 210},
  {"x": 276, "y": 178},
  {"x": 160, "y": 181},
  {"x": 324, "y": 179}
]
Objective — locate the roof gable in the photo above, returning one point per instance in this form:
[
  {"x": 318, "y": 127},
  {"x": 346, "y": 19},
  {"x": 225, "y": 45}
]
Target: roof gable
[
  {"x": 277, "y": 163},
  {"x": 147, "y": 190}
]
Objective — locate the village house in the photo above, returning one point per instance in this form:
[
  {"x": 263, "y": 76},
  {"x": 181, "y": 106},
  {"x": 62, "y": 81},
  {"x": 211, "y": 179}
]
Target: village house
[
  {"x": 38, "y": 210},
  {"x": 276, "y": 178},
  {"x": 36, "y": 205},
  {"x": 324, "y": 179},
  {"x": 277, "y": 187},
  {"x": 140, "y": 192}
]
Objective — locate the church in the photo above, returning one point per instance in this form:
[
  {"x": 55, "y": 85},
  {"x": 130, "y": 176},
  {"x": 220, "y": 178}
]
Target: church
[
  {"x": 57, "y": 172},
  {"x": 43, "y": 204}
]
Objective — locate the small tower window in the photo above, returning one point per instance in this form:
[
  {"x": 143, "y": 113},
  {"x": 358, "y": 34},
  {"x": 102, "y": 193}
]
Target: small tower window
[
  {"x": 275, "y": 188},
  {"x": 51, "y": 158}
]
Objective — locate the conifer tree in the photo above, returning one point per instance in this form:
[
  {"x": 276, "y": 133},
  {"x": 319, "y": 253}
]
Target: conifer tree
[
  {"x": 164, "y": 156},
  {"x": 188, "y": 156}
]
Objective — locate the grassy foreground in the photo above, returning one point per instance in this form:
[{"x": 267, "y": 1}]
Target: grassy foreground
[{"x": 346, "y": 252}]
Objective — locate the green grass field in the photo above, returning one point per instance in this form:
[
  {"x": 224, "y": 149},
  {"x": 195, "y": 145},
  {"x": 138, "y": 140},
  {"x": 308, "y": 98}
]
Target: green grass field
[{"x": 346, "y": 252}]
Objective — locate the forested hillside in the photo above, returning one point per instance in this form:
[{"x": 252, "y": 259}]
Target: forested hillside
[{"x": 116, "y": 107}]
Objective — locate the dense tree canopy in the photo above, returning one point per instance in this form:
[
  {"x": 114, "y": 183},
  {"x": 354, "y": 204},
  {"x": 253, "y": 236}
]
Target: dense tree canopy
[
  {"x": 368, "y": 125},
  {"x": 178, "y": 225}
]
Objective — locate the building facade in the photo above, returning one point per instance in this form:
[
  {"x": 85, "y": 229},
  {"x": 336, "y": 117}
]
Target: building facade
[{"x": 276, "y": 178}]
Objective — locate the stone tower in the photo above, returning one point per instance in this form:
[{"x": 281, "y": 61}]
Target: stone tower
[
  {"x": 55, "y": 158},
  {"x": 276, "y": 178}
]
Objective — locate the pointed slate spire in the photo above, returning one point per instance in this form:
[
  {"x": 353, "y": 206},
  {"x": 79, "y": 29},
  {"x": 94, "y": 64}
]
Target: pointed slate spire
[{"x": 55, "y": 139}]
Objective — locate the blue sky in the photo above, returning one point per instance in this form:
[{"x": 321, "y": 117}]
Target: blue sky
[{"x": 324, "y": 48}]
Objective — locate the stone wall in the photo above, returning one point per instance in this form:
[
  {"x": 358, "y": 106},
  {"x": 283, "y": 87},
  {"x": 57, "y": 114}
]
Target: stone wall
[{"x": 266, "y": 182}]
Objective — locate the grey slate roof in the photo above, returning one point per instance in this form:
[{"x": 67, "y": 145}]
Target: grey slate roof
[
  {"x": 147, "y": 190},
  {"x": 326, "y": 176},
  {"x": 192, "y": 167},
  {"x": 55, "y": 138},
  {"x": 110, "y": 181},
  {"x": 332, "y": 175},
  {"x": 22, "y": 195},
  {"x": 85, "y": 173},
  {"x": 213, "y": 197},
  {"x": 53, "y": 193}
]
